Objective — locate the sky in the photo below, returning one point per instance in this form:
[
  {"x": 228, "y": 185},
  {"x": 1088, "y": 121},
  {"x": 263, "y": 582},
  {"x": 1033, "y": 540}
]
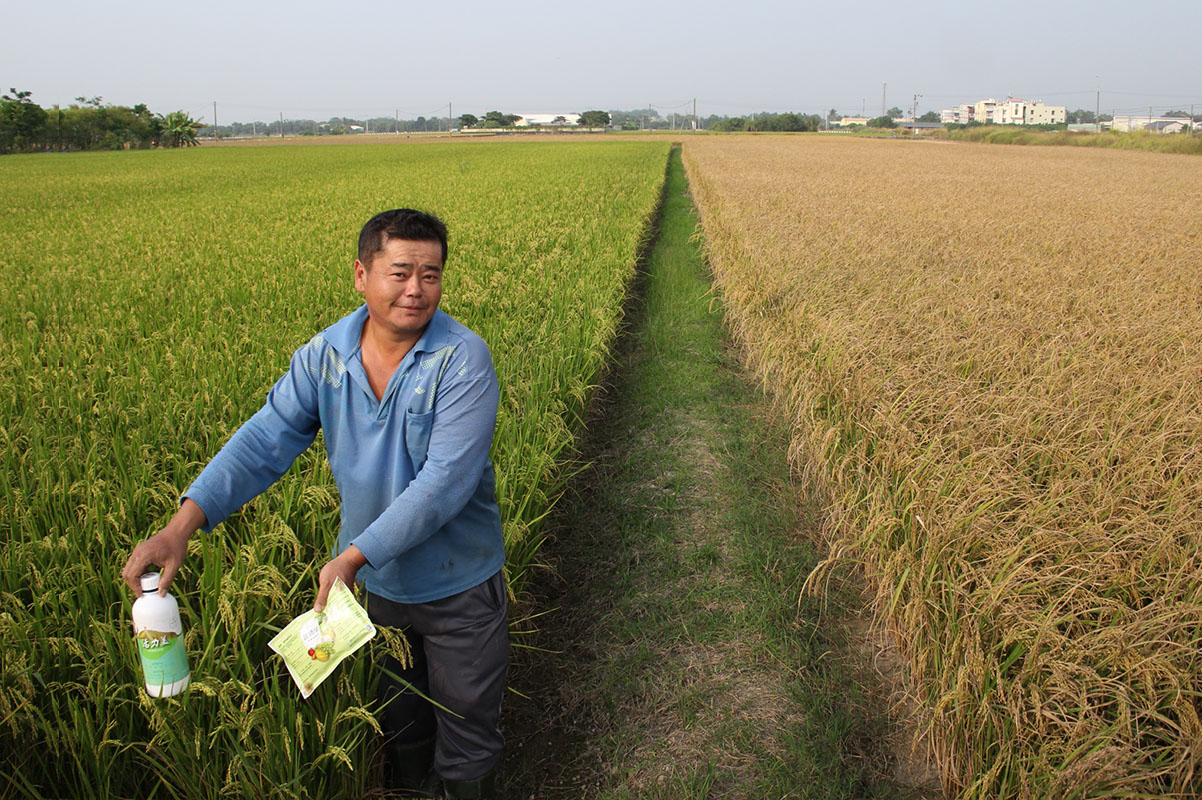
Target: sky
[{"x": 369, "y": 58}]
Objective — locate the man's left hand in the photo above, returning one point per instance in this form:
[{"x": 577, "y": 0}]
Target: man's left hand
[{"x": 345, "y": 565}]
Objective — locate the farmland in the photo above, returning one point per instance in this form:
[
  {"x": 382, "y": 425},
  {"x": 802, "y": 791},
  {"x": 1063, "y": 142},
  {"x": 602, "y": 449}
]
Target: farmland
[
  {"x": 988, "y": 362},
  {"x": 991, "y": 362},
  {"x": 151, "y": 300}
]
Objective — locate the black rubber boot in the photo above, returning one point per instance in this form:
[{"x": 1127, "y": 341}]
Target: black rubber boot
[
  {"x": 410, "y": 769},
  {"x": 482, "y": 788}
]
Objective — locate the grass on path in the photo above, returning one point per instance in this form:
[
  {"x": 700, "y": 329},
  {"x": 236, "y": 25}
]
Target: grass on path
[{"x": 678, "y": 660}]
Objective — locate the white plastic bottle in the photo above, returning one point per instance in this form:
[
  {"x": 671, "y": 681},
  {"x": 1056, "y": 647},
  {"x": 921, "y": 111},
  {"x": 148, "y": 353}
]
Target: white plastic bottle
[{"x": 158, "y": 633}]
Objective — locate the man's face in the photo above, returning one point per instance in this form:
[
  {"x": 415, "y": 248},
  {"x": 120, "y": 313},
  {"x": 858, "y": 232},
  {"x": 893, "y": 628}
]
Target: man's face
[{"x": 403, "y": 285}]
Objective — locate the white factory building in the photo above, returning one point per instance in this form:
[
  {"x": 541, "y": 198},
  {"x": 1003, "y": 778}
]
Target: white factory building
[{"x": 559, "y": 118}]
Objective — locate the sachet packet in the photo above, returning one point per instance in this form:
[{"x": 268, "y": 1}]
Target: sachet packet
[{"x": 316, "y": 642}]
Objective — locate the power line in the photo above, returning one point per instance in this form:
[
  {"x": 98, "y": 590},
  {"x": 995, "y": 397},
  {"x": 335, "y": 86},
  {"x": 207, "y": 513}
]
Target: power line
[
  {"x": 1130, "y": 103},
  {"x": 1196, "y": 98},
  {"x": 685, "y": 104}
]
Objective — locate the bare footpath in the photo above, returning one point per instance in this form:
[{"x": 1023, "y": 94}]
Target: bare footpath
[{"x": 675, "y": 656}]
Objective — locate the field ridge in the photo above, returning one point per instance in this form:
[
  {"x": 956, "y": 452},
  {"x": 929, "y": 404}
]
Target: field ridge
[{"x": 676, "y": 661}]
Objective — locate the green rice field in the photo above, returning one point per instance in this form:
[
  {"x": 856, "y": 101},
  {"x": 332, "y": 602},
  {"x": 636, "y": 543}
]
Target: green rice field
[{"x": 151, "y": 300}]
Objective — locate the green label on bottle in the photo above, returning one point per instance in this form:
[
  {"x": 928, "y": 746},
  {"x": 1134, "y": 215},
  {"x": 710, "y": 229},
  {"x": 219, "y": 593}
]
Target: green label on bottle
[{"x": 164, "y": 659}]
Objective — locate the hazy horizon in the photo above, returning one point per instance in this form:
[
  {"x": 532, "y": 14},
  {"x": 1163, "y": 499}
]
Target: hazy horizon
[{"x": 368, "y": 58}]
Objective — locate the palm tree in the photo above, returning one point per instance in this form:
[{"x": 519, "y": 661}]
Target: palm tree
[{"x": 179, "y": 130}]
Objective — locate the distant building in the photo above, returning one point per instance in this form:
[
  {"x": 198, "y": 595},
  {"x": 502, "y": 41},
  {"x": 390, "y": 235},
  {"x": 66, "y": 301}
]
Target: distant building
[
  {"x": 1128, "y": 123},
  {"x": 848, "y": 121},
  {"x": 960, "y": 115},
  {"x": 556, "y": 120},
  {"x": 1167, "y": 126},
  {"x": 983, "y": 110},
  {"x": 1039, "y": 114},
  {"x": 1013, "y": 111}
]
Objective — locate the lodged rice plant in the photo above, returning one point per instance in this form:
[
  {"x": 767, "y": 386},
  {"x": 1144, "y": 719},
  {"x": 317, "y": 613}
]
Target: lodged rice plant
[
  {"x": 992, "y": 362},
  {"x": 152, "y": 299}
]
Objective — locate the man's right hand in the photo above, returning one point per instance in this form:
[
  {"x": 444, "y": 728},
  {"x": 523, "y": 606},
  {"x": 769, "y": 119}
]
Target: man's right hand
[{"x": 166, "y": 549}]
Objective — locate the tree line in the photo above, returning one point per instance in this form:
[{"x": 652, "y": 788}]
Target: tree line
[
  {"x": 92, "y": 124},
  {"x": 651, "y": 119},
  {"x": 787, "y": 121},
  {"x": 88, "y": 124},
  {"x": 334, "y": 126}
]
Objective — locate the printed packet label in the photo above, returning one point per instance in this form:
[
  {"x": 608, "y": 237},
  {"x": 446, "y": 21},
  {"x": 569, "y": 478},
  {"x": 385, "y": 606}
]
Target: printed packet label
[{"x": 314, "y": 643}]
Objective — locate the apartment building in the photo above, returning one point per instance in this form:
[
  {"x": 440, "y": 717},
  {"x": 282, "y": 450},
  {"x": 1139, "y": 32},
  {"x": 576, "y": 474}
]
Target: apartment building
[
  {"x": 960, "y": 115},
  {"x": 1012, "y": 111},
  {"x": 1039, "y": 114},
  {"x": 983, "y": 111}
]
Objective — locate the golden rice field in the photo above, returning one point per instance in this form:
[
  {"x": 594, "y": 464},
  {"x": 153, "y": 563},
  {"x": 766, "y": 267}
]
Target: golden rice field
[
  {"x": 151, "y": 299},
  {"x": 992, "y": 362}
]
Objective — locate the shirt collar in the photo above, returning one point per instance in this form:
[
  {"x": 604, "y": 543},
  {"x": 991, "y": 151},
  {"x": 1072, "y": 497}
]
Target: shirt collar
[{"x": 344, "y": 335}]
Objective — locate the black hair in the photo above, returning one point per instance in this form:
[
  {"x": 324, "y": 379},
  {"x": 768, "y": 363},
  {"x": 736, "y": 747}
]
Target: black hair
[{"x": 400, "y": 223}]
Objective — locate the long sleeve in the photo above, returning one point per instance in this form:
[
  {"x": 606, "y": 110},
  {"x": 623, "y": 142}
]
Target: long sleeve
[{"x": 264, "y": 447}]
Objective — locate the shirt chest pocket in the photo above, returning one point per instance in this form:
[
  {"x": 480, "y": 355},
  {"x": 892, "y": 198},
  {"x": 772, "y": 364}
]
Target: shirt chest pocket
[{"x": 417, "y": 437}]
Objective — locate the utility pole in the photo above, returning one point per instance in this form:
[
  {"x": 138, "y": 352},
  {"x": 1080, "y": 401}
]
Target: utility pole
[
  {"x": 450, "y": 115},
  {"x": 1097, "y": 108},
  {"x": 396, "y": 126},
  {"x": 883, "y": 86},
  {"x": 254, "y": 132},
  {"x": 1191, "y": 119},
  {"x": 696, "y": 124},
  {"x": 281, "y": 124},
  {"x": 214, "y": 120}
]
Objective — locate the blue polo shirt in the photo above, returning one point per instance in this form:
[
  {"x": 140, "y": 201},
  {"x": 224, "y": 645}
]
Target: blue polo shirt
[{"x": 417, "y": 486}]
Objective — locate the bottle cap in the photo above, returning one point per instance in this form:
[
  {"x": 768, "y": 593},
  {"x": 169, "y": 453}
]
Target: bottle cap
[{"x": 150, "y": 582}]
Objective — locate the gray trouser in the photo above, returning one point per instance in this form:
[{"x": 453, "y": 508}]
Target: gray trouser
[{"x": 460, "y": 651}]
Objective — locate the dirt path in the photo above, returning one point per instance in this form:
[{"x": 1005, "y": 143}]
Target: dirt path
[{"x": 678, "y": 658}]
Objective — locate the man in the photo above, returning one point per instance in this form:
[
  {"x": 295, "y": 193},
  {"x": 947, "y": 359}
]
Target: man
[{"x": 407, "y": 398}]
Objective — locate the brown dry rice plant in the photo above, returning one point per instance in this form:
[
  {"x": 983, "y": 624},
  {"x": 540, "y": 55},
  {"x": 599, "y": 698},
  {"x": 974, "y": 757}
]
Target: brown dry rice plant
[{"x": 992, "y": 362}]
